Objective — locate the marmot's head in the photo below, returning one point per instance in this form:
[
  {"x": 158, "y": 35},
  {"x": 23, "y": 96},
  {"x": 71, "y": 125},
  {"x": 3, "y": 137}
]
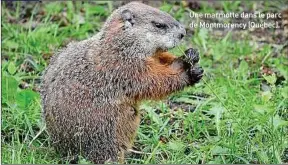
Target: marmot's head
[{"x": 143, "y": 26}]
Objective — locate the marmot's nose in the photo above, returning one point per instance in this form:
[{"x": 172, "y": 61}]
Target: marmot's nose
[
  {"x": 181, "y": 36},
  {"x": 182, "y": 32},
  {"x": 180, "y": 29}
]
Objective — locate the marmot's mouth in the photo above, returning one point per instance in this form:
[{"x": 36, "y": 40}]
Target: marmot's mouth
[
  {"x": 161, "y": 50},
  {"x": 166, "y": 49}
]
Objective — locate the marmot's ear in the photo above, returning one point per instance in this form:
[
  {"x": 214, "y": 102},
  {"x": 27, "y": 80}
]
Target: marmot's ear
[{"x": 128, "y": 18}]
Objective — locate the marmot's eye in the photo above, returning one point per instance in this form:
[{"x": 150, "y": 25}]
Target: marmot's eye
[{"x": 159, "y": 25}]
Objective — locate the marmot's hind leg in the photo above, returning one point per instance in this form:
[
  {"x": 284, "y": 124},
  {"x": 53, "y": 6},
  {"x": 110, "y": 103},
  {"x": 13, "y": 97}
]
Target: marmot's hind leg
[
  {"x": 98, "y": 142},
  {"x": 100, "y": 153},
  {"x": 68, "y": 154}
]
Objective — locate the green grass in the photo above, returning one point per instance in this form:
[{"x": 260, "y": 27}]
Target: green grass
[{"x": 237, "y": 113}]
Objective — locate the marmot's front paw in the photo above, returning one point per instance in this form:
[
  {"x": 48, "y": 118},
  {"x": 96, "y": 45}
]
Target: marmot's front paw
[
  {"x": 195, "y": 74},
  {"x": 191, "y": 56}
]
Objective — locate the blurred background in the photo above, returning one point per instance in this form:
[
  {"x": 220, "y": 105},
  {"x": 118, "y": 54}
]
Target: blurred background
[{"x": 238, "y": 113}]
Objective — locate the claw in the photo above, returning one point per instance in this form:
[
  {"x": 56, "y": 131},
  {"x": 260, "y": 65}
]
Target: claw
[
  {"x": 196, "y": 74},
  {"x": 192, "y": 56}
]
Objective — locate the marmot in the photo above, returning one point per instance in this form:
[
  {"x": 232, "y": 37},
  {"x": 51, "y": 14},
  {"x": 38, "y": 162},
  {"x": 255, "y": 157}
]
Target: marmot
[{"x": 91, "y": 89}]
